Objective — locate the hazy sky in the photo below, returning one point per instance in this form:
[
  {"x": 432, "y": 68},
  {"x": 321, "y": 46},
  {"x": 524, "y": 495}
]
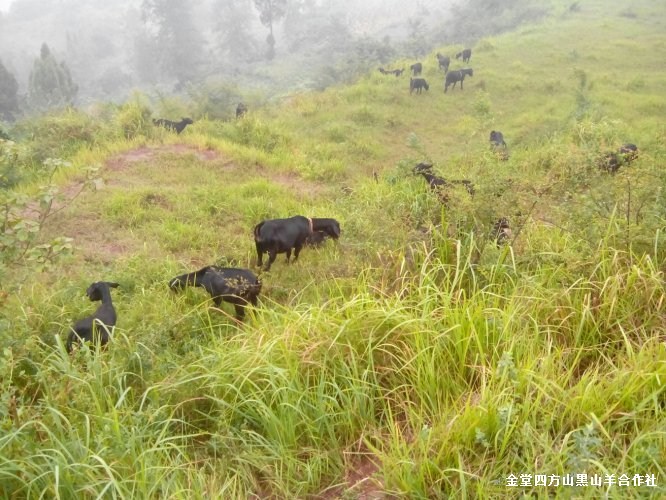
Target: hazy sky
[{"x": 4, "y": 4}]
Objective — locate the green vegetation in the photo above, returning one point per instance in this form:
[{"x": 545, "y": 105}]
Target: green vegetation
[{"x": 414, "y": 358}]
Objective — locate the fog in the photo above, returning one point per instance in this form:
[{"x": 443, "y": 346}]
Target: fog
[{"x": 265, "y": 47}]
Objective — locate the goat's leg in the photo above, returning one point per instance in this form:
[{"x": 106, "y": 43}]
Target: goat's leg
[
  {"x": 260, "y": 254},
  {"x": 288, "y": 255},
  {"x": 272, "y": 254},
  {"x": 240, "y": 311}
]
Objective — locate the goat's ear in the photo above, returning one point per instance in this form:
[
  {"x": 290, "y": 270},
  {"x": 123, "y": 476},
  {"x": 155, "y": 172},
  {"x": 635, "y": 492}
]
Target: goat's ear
[{"x": 113, "y": 284}]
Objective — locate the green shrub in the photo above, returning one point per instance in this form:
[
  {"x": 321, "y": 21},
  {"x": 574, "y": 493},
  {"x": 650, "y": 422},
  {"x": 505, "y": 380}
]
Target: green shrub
[{"x": 134, "y": 118}]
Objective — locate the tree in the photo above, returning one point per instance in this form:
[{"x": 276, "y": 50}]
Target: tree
[
  {"x": 50, "y": 82},
  {"x": 8, "y": 94},
  {"x": 234, "y": 28},
  {"x": 270, "y": 11},
  {"x": 177, "y": 38}
]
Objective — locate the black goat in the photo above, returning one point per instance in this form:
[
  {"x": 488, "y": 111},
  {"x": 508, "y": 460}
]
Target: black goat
[
  {"x": 239, "y": 287},
  {"x": 496, "y": 138},
  {"x": 466, "y": 55},
  {"x": 444, "y": 62},
  {"x": 282, "y": 235},
  {"x": 95, "y": 328},
  {"x": 611, "y": 162},
  {"x": 416, "y": 68},
  {"x": 395, "y": 72},
  {"x": 418, "y": 84},
  {"x": 241, "y": 109},
  {"x": 501, "y": 232},
  {"x": 454, "y": 77},
  {"x": 177, "y": 127},
  {"x": 437, "y": 183},
  {"x": 498, "y": 145}
]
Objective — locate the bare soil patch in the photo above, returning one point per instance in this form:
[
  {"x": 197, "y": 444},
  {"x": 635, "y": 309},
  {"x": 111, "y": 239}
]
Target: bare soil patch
[
  {"x": 361, "y": 482},
  {"x": 144, "y": 154}
]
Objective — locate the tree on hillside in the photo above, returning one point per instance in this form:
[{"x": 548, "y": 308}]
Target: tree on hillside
[
  {"x": 270, "y": 11},
  {"x": 416, "y": 43},
  {"x": 233, "y": 28},
  {"x": 176, "y": 36},
  {"x": 8, "y": 94},
  {"x": 50, "y": 82}
]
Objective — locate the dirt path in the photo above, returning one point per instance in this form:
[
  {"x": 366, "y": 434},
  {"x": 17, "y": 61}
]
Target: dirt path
[{"x": 121, "y": 171}]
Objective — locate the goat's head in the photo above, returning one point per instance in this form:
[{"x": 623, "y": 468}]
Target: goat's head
[
  {"x": 188, "y": 279},
  {"x": 422, "y": 167},
  {"x": 329, "y": 226},
  {"x": 187, "y": 121},
  {"x": 630, "y": 151},
  {"x": 95, "y": 290}
]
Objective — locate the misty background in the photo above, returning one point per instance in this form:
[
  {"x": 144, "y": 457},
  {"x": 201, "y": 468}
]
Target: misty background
[{"x": 217, "y": 52}]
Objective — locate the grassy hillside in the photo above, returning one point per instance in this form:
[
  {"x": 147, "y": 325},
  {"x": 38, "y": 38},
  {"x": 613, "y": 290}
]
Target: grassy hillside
[{"x": 412, "y": 359}]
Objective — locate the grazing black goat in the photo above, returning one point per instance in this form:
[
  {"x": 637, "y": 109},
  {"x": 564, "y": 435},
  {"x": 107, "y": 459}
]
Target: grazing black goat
[
  {"x": 416, "y": 68},
  {"x": 239, "y": 287},
  {"x": 241, "y": 109},
  {"x": 454, "y": 77},
  {"x": 177, "y": 127},
  {"x": 498, "y": 145},
  {"x": 418, "y": 84},
  {"x": 496, "y": 138},
  {"x": 95, "y": 328},
  {"x": 276, "y": 236},
  {"x": 611, "y": 162},
  {"x": 437, "y": 183},
  {"x": 396, "y": 72},
  {"x": 444, "y": 62},
  {"x": 501, "y": 231},
  {"x": 466, "y": 55}
]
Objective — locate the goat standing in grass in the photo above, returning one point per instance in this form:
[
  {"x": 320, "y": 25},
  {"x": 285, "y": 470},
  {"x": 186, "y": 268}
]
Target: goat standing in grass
[
  {"x": 177, "y": 127},
  {"x": 282, "y": 235},
  {"x": 443, "y": 62},
  {"x": 498, "y": 145},
  {"x": 453, "y": 77},
  {"x": 611, "y": 162},
  {"x": 416, "y": 68},
  {"x": 466, "y": 55},
  {"x": 96, "y": 327},
  {"x": 239, "y": 287},
  {"x": 438, "y": 184},
  {"x": 418, "y": 84}
]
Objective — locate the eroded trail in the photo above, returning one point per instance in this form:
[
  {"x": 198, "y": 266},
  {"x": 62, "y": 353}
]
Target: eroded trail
[{"x": 145, "y": 188}]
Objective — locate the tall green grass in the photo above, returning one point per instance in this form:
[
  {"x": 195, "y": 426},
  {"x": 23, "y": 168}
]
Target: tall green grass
[{"x": 414, "y": 357}]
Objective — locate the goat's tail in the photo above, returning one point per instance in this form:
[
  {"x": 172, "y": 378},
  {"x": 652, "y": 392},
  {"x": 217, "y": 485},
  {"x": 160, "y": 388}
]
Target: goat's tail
[{"x": 257, "y": 232}]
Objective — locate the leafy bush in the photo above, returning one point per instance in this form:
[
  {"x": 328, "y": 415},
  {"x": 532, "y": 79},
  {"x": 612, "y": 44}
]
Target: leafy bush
[
  {"x": 10, "y": 174},
  {"x": 57, "y": 135}
]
